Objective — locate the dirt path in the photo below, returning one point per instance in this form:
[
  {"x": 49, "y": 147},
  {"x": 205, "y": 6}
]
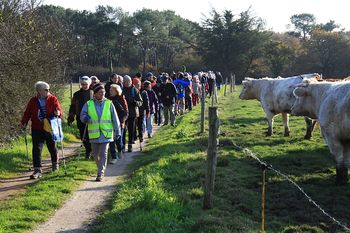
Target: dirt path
[
  {"x": 17, "y": 184},
  {"x": 77, "y": 214}
]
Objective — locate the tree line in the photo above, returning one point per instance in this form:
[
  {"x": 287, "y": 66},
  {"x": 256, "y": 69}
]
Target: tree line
[{"x": 45, "y": 42}]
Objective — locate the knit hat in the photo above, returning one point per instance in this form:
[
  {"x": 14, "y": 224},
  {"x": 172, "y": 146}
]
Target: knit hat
[
  {"x": 85, "y": 80},
  {"x": 149, "y": 74},
  {"x": 136, "y": 81},
  {"x": 98, "y": 87},
  {"x": 146, "y": 83}
]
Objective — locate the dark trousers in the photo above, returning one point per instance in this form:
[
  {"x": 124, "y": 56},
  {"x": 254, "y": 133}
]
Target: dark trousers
[
  {"x": 158, "y": 115},
  {"x": 84, "y": 138},
  {"x": 140, "y": 127},
  {"x": 130, "y": 122},
  {"x": 188, "y": 100},
  {"x": 119, "y": 143},
  {"x": 39, "y": 138}
]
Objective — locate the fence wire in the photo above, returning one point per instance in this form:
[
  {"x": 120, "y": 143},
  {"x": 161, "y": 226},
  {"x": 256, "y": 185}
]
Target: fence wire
[{"x": 269, "y": 166}]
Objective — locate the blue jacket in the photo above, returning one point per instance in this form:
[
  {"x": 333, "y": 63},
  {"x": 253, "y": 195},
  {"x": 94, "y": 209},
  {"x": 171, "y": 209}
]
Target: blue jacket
[
  {"x": 180, "y": 87},
  {"x": 85, "y": 118}
]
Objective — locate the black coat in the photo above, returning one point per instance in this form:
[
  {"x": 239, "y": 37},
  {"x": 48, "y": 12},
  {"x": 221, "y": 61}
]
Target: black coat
[
  {"x": 79, "y": 99},
  {"x": 169, "y": 94},
  {"x": 133, "y": 97}
]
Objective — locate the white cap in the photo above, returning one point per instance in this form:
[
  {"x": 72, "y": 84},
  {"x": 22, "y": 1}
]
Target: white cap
[{"x": 85, "y": 80}]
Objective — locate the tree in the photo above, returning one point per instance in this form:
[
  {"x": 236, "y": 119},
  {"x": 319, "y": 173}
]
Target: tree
[
  {"x": 330, "y": 52},
  {"x": 329, "y": 26},
  {"x": 33, "y": 48},
  {"x": 279, "y": 55},
  {"x": 231, "y": 44},
  {"x": 303, "y": 23}
]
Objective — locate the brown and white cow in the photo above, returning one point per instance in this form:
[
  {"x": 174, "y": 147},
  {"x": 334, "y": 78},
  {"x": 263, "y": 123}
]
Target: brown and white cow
[
  {"x": 329, "y": 102},
  {"x": 276, "y": 96}
]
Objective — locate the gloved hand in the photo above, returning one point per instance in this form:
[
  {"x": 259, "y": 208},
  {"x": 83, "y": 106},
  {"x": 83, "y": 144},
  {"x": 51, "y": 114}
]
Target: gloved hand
[
  {"x": 117, "y": 137},
  {"x": 70, "y": 120},
  {"x": 86, "y": 119}
]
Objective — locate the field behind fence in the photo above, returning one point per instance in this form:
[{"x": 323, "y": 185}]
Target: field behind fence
[{"x": 165, "y": 193}]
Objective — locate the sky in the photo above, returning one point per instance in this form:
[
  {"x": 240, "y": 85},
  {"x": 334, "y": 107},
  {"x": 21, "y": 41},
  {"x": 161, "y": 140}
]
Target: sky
[{"x": 275, "y": 13}]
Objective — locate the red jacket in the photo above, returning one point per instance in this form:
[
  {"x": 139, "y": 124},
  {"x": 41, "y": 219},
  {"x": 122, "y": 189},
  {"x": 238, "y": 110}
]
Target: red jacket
[{"x": 32, "y": 111}]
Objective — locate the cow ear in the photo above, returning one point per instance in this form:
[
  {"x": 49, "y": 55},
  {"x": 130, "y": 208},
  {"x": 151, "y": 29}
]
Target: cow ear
[
  {"x": 247, "y": 83},
  {"x": 300, "y": 91}
]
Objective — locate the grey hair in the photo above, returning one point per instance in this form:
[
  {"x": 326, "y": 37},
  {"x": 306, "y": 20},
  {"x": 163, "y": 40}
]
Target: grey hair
[
  {"x": 40, "y": 85},
  {"x": 127, "y": 78},
  {"x": 117, "y": 88}
]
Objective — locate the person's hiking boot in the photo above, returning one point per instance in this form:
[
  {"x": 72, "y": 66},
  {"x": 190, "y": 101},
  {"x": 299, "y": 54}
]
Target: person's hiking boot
[
  {"x": 36, "y": 174},
  {"x": 149, "y": 135},
  {"x": 99, "y": 178},
  {"x": 112, "y": 161},
  {"x": 55, "y": 167},
  {"x": 130, "y": 148}
]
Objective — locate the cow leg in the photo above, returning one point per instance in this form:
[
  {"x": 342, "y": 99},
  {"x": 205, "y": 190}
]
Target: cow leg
[
  {"x": 285, "y": 118},
  {"x": 337, "y": 151},
  {"x": 310, "y": 125},
  {"x": 269, "y": 117},
  {"x": 343, "y": 170}
]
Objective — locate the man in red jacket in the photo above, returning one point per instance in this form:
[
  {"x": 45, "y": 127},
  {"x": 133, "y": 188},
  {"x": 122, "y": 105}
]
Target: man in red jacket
[{"x": 43, "y": 105}]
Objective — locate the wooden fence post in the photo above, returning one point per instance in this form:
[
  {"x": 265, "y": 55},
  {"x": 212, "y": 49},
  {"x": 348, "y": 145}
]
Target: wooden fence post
[
  {"x": 71, "y": 89},
  {"x": 202, "y": 108},
  {"x": 231, "y": 83},
  {"x": 234, "y": 82},
  {"x": 225, "y": 86},
  {"x": 211, "y": 157},
  {"x": 216, "y": 95}
]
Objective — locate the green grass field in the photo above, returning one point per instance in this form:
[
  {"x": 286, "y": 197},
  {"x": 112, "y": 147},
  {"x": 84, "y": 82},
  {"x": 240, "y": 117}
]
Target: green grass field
[
  {"x": 39, "y": 201},
  {"x": 165, "y": 194}
]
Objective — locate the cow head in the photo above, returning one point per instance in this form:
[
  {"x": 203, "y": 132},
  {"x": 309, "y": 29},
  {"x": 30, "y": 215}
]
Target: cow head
[
  {"x": 247, "y": 91},
  {"x": 303, "y": 100}
]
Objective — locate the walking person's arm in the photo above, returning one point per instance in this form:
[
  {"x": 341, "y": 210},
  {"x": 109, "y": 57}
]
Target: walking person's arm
[
  {"x": 84, "y": 116},
  {"x": 116, "y": 123},
  {"x": 27, "y": 114}
]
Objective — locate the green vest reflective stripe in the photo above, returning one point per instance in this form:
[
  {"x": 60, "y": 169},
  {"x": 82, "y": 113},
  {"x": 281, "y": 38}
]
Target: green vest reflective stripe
[{"x": 104, "y": 124}]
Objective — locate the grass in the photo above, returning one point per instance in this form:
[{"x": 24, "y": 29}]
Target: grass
[
  {"x": 165, "y": 194},
  {"x": 38, "y": 202}
]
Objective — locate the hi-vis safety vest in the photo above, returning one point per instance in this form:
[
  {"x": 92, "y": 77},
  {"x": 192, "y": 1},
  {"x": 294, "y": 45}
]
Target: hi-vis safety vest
[{"x": 104, "y": 125}]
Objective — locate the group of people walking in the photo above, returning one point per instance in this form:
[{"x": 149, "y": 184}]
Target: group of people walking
[{"x": 113, "y": 116}]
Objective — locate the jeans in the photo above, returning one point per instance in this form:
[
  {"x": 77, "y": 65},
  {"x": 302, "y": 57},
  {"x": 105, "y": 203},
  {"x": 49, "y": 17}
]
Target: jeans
[
  {"x": 119, "y": 143},
  {"x": 149, "y": 124}
]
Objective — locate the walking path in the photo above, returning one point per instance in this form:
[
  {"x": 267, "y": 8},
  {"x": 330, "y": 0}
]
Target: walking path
[{"x": 78, "y": 213}]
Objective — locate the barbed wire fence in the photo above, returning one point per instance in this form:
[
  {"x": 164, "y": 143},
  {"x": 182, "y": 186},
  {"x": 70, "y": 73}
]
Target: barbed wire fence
[{"x": 268, "y": 166}]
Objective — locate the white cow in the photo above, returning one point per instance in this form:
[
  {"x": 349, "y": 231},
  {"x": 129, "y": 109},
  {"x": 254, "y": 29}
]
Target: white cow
[
  {"x": 276, "y": 96},
  {"x": 330, "y": 104}
]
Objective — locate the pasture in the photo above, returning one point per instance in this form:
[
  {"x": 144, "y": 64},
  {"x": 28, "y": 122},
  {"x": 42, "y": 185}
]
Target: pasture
[{"x": 165, "y": 194}]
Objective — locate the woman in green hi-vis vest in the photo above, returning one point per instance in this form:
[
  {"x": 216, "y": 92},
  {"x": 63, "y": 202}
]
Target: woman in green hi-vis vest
[{"x": 103, "y": 126}]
